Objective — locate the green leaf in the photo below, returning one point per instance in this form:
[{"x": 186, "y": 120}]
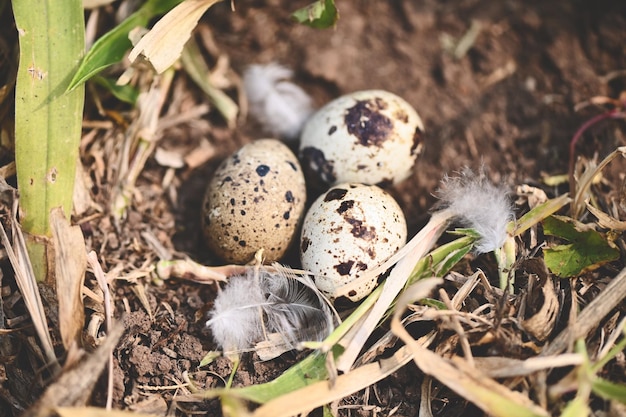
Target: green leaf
[
  {"x": 609, "y": 390},
  {"x": 125, "y": 93},
  {"x": 308, "y": 371},
  {"x": 431, "y": 302},
  {"x": 320, "y": 15},
  {"x": 48, "y": 120},
  {"x": 442, "y": 259},
  {"x": 112, "y": 46},
  {"x": 587, "y": 249}
]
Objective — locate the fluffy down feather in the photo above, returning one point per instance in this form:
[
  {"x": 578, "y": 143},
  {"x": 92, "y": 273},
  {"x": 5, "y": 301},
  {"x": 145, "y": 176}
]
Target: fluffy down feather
[
  {"x": 278, "y": 104},
  {"x": 480, "y": 205},
  {"x": 269, "y": 300}
]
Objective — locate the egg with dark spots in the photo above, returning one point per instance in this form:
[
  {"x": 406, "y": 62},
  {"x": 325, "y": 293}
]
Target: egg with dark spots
[
  {"x": 370, "y": 137},
  {"x": 350, "y": 229},
  {"x": 255, "y": 200}
]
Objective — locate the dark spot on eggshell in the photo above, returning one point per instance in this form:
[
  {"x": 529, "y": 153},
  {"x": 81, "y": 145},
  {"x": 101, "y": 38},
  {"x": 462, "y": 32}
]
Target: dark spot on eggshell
[
  {"x": 316, "y": 165},
  {"x": 352, "y": 293},
  {"x": 367, "y": 124},
  {"x": 304, "y": 245},
  {"x": 335, "y": 194},
  {"x": 289, "y": 197},
  {"x": 345, "y": 206},
  {"x": 242, "y": 243},
  {"x": 361, "y": 265},
  {"x": 344, "y": 268},
  {"x": 243, "y": 212},
  {"x": 232, "y": 201},
  {"x": 286, "y": 215},
  {"x": 361, "y": 231},
  {"x": 332, "y": 130},
  {"x": 418, "y": 140},
  {"x": 292, "y": 165},
  {"x": 262, "y": 170}
]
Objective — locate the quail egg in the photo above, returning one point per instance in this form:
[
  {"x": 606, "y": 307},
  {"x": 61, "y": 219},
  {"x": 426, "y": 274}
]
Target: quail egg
[
  {"x": 255, "y": 200},
  {"x": 349, "y": 229},
  {"x": 370, "y": 137}
]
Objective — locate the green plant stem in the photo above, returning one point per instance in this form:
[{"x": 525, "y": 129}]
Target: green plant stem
[{"x": 47, "y": 120}]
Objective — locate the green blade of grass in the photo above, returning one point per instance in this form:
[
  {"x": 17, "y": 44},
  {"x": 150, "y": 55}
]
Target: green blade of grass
[
  {"x": 308, "y": 371},
  {"x": 110, "y": 48},
  {"x": 609, "y": 390},
  {"x": 47, "y": 120}
]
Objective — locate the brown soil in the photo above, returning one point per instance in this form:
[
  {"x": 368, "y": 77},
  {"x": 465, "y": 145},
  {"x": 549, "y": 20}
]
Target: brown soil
[{"x": 507, "y": 102}]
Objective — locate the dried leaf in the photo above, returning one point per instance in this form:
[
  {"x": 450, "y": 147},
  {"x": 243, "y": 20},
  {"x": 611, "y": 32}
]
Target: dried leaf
[
  {"x": 70, "y": 265},
  {"x": 27, "y": 284},
  {"x": 541, "y": 324},
  {"x": 74, "y": 387},
  {"x": 587, "y": 178},
  {"x": 164, "y": 43},
  {"x": 501, "y": 367},
  {"x": 606, "y": 221}
]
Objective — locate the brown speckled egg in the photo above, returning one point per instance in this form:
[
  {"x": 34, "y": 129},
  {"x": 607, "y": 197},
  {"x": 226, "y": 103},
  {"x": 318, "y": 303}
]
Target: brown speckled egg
[
  {"x": 348, "y": 230},
  {"x": 370, "y": 137},
  {"x": 255, "y": 200}
]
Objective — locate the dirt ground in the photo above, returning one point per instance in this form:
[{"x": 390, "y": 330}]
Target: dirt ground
[{"x": 506, "y": 102}]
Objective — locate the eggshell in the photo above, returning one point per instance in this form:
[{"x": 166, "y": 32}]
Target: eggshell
[
  {"x": 255, "y": 200},
  {"x": 371, "y": 137},
  {"x": 348, "y": 230}
]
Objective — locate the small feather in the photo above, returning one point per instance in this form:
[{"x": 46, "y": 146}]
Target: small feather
[
  {"x": 269, "y": 300},
  {"x": 480, "y": 205},
  {"x": 295, "y": 308},
  {"x": 236, "y": 321},
  {"x": 278, "y": 104}
]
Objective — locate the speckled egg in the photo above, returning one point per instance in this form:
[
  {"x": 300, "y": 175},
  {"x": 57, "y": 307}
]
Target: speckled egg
[
  {"x": 370, "y": 137},
  {"x": 348, "y": 230},
  {"x": 255, "y": 200}
]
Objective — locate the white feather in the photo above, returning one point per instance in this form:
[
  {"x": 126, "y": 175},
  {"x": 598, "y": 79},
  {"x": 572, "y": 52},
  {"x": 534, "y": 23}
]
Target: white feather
[
  {"x": 236, "y": 321},
  {"x": 278, "y": 104},
  {"x": 269, "y": 300},
  {"x": 478, "y": 204}
]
